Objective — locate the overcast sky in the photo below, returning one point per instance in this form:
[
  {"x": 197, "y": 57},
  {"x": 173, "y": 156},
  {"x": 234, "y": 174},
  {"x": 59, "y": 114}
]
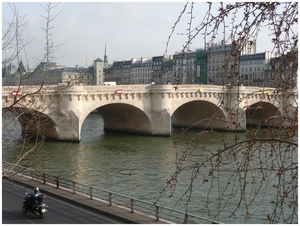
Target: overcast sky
[{"x": 129, "y": 30}]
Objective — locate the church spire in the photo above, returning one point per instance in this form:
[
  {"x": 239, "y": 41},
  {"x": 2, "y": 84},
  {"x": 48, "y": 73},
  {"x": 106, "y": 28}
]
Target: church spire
[{"x": 105, "y": 56}]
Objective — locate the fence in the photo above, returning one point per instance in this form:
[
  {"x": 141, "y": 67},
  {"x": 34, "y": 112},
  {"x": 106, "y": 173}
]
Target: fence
[{"x": 112, "y": 198}]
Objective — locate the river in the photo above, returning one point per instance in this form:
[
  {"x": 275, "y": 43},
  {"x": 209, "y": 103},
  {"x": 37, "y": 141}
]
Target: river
[{"x": 134, "y": 165}]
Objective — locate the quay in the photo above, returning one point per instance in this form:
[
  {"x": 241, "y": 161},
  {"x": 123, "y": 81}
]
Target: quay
[
  {"x": 117, "y": 206},
  {"x": 116, "y": 212}
]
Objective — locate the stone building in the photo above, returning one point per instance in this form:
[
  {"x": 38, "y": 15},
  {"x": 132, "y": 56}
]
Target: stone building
[
  {"x": 116, "y": 73},
  {"x": 220, "y": 64},
  {"x": 223, "y": 61},
  {"x": 52, "y": 74},
  {"x": 98, "y": 73},
  {"x": 282, "y": 71},
  {"x": 141, "y": 70},
  {"x": 134, "y": 71},
  {"x": 185, "y": 68},
  {"x": 11, "y": 74},
  {"x": 253, "y": 67},
  {"x": 161, "y": 69}
]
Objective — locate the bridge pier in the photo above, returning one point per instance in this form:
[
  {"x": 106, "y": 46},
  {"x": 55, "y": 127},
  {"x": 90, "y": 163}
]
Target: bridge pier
[
  {"x": 68, "y": 113},
  {"x": 161, "y": 110},
  {"x": 289, "y": 107},
  {"x": 234, "y": 107}
]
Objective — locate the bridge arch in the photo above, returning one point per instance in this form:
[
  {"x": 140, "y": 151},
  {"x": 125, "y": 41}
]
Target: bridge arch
[
  {"x": 124, "y": 118},
  {"x": 263, "y": 113},
  {"x": 199, "y": 114},
  {"x": 34, "y": 123}
]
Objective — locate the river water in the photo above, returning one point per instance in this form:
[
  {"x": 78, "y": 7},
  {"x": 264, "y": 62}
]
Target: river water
[{"x": 133, "y": 165}]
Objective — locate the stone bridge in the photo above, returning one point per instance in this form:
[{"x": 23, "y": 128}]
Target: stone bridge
[{"x": 58, "y": 112}]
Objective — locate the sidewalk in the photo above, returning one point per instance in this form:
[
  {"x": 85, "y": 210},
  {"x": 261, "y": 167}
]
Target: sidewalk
[{"x": 116, "y": 212}]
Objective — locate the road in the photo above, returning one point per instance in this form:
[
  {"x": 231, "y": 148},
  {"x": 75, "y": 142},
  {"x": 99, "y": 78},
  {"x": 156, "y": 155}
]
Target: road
[{"x": 59, "y": 212}]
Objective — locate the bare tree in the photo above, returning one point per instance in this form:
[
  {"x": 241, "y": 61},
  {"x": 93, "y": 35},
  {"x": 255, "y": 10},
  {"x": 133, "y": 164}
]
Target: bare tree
[
  {"x": 23, "y": 115},
  {"x": 254, "y": 173},
  {"x": 13, "y": 43}
]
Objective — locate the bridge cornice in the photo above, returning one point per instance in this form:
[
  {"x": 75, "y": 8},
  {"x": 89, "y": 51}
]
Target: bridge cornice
[{"x": 7, "y": 90}]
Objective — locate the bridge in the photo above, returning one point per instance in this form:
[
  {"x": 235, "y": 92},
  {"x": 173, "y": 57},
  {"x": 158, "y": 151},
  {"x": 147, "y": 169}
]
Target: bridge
[{"x": 58, "y": 112}]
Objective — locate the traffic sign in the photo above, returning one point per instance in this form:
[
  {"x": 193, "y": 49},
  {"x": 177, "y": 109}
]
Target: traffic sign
[
  {"x": 119, "y": 91},
  {"x": 16, "y": 93}
]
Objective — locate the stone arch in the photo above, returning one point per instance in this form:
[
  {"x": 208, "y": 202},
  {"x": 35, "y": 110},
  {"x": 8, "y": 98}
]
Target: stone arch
[
  {"x": 263, "y": 113},
  {"x": 199, "y": 114},
  {"x": 178, "y": 102},
  {"x": 124, "y": 118},
  {"x": 34, "y": 123}
]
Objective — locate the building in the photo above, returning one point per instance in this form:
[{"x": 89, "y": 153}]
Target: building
[
  {"x": 221, "y": 64},
  {"x": 133, "y": 71},
  {"x": 52, "y": 74},
  {"x": 282, "y": 71},
  {"x": 161, "y": 69},
  {"x": 98, "y": 74},
  {"x": 201, "y": 64},
  {"x": 157, "y": 71},
  {"x": 11, "y": 74},
  {"x": 141, "y": 70},
  {"x": 190, "y": 67},
  {"x": 252, "y": 69},
  {"x": 223, "y": 61},
  {"x": 117, "y": 74}
]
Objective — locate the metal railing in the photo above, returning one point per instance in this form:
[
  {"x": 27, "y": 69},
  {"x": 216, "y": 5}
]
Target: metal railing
[{"x": 112, "y": 198}]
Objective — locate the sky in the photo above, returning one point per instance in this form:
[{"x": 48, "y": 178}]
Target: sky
[{"x": 81, "y": 30}]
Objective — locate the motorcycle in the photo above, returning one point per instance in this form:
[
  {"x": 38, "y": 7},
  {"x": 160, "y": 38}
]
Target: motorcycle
[{"x": 35, "y": 204}]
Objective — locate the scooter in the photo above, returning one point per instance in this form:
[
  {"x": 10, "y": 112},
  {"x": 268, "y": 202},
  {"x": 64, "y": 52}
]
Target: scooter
[{"x": 35, "y": 204}]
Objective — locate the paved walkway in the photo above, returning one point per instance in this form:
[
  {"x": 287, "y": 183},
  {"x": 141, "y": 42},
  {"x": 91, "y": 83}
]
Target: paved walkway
[{"x": 116, "y": 212}]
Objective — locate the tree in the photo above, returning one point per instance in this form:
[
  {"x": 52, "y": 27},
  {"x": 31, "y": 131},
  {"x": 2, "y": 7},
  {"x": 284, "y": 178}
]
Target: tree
[
  {"x": 19, "y": 116},
  {"x": 255, "y": 173}
]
